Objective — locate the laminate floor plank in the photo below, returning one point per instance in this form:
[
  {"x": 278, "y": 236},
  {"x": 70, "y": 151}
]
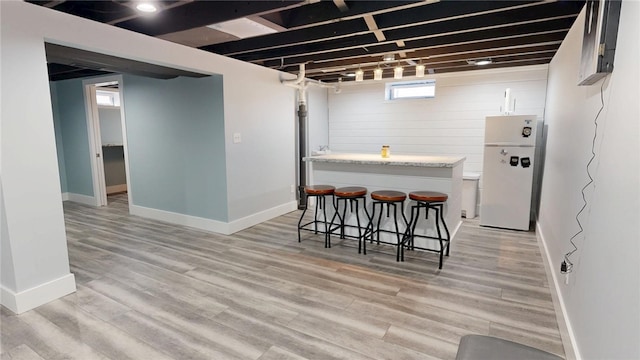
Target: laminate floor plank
[
  {"x": 290, "y": 339},
  {"x": 153, "y": 290},
  {"x": 277, "y": 353},
  {"x": 360, "y": 342},
  {"x": 98, "y": 334},
  {"x": 422, "y": 342},
  {"x": 21, "y": 352}
]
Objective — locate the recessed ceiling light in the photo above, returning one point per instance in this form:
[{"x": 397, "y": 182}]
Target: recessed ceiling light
[
  {"x": 146, "y": 7},
  {"x": 242, "y": 28},
  {"x": 479, "y": 62}
]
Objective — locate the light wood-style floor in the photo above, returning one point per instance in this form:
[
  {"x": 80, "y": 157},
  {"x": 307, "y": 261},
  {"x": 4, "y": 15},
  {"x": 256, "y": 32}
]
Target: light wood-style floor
[{"x": 151, "y": 290}]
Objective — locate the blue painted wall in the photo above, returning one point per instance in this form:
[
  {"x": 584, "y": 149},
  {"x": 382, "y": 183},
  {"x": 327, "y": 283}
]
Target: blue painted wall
[
  {"x": 70, "y": 121},
  {"x": 58, "y": 132},
  {"x": 176, "y": 149}
]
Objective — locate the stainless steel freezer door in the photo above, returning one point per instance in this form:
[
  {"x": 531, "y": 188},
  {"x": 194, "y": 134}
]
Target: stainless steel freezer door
[{"x": 506, "y": 187}]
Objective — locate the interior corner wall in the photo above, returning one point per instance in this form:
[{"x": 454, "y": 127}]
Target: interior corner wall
[
  {"x": 602, "y": 301},
  {"x": 175, "y": 137},
  {"x": 71, "y": 116},
  {"x": 262, "y": 167}
]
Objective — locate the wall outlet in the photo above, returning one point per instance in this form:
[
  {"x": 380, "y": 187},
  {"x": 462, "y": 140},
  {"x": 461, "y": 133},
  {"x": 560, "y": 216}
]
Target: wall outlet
[
  {"x": 237, "y": 138},
  {"x": 293, "y": 189}
]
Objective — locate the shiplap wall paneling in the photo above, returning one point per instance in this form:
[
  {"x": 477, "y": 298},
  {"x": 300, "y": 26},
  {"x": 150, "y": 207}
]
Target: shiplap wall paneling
[{"x": 452, "y": 123}]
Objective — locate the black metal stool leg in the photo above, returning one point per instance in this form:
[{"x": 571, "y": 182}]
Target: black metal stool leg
[
  {"x": 315, "y": 214},
  {"x": 369, "y": 223},
  {"x": 379, "y": 221},
  {"x": 302, "y": 216},
  {"x": 395, "y": 221},
  {"x": 327, "y": 238},
  {"x": 439, "y": 234},
  {"x": 446, "y": 229},
  {"x": 413, "y": 228},
  {"x": 324, "y": 213}
]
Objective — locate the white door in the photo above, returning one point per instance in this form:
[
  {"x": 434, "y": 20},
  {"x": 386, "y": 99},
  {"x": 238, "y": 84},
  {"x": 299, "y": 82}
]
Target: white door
[{"x": 507, "y": 186}]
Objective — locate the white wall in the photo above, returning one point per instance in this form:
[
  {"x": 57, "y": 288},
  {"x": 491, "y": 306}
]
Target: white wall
[
  {"x": 452, "y": 123},
  {"x": 318, "y": 121},
  {"x": 601, "y": 301},
  {"x": 259, "y": 170},
  {"x": 30, "y": 181},
  {"x": 110, "y": 125}
]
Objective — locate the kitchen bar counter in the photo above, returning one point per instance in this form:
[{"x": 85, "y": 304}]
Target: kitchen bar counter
[
  {"x": 404, "y": 173},
  {"x": 395, "y": 160}
]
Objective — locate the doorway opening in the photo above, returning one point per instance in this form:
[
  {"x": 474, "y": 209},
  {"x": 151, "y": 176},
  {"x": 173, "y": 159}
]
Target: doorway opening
[{"x": 107, "y": 139}]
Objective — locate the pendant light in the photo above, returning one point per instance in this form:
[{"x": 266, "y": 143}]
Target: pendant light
[
  {"x": 420, "y": 70},
  {"x": 377, "y": 73},
  {"x": 359, "y": 74},
  {"x": 397, "y": 72}
]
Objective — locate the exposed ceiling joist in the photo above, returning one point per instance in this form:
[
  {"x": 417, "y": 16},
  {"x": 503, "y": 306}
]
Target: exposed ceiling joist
[
  {"x": 341, "y": 4},
  {"x": 334, "y": 37}
]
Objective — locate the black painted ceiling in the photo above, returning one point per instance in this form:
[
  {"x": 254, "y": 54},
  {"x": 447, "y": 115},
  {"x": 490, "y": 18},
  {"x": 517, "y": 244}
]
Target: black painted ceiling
[{"x": 334, "y": 38}]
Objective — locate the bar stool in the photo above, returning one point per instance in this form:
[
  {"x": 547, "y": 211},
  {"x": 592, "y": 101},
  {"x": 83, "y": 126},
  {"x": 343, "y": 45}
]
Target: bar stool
[
  {"x": 350, "y": 195},
  {"x": 429, "y": 200},
  {"x": 320, "y": 192},
  {"x": 389, "y": 198}
]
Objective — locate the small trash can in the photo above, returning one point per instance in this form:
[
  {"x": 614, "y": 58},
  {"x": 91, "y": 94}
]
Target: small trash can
[{"x": 469, "y": 194}]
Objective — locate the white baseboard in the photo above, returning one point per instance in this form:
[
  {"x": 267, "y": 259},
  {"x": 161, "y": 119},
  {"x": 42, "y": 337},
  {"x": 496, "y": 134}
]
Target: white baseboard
[
  {"x": 180, "y": 219},
  {"x": 455, "y": 231},
  {"x": 564, "y": 324},
  {"x": 226, "y": 228},
  {"x": 254, "y": 219},
  {"x": 38, "y": 295},
  {"x": 116, "y": 188},
  {"x": 79, "y": 198}
]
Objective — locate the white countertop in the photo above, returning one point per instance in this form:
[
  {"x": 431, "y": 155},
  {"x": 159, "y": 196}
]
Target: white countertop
[{"x": 397, "y": 160}]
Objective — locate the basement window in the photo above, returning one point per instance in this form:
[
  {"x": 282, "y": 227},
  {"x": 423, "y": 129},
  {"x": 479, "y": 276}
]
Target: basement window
[
  {"x": 108, "y": 98},
  {"x": 422, "y": 89}
]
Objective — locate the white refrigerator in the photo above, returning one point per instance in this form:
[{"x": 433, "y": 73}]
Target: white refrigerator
[{"x": 507, "y": 173}]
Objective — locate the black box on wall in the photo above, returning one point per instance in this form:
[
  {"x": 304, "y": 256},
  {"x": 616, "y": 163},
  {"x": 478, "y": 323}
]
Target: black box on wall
[{"x": 599, "y": 40}]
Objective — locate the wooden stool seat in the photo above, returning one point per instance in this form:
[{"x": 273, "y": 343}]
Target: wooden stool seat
[
  {"x": 319, "y": 189},
  {"x": 388, "y": 195},
  {"x": 428, "y": 196},
  {"x": 350, "y": 191}
]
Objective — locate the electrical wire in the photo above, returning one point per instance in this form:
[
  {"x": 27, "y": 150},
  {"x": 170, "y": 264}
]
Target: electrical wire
[{"x": 569, "y": 264}]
